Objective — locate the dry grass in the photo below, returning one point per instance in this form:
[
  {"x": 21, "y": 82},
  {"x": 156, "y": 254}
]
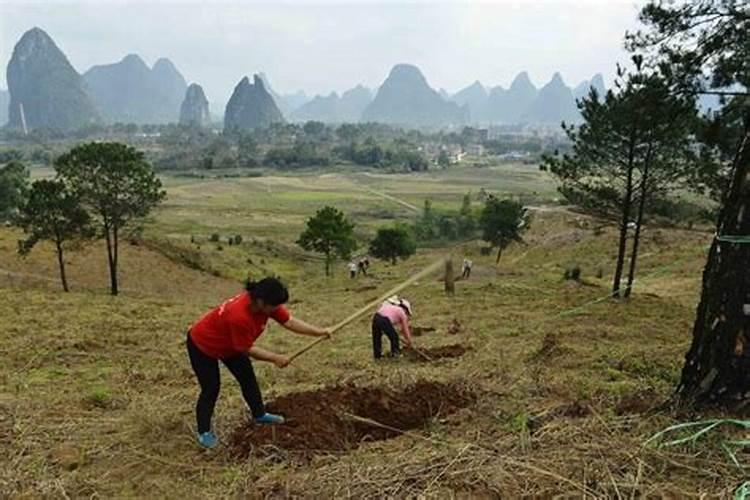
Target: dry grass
[{"x": 96, "y": 394}]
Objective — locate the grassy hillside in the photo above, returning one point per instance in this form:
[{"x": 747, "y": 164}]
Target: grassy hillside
[{"x": 97, "y": 395}]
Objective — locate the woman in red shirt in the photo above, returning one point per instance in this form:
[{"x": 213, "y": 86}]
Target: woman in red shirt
[{"x": 227, "y": 334}]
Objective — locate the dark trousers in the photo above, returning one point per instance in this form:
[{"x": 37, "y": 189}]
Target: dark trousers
[
  {"x": 466, "y": 273},
  {"x": 383, "y": 326},
  {"x": 207, "y": 371}
]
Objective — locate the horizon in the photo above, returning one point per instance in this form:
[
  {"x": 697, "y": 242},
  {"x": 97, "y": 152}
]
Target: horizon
[{"x": 295, "y": 45}]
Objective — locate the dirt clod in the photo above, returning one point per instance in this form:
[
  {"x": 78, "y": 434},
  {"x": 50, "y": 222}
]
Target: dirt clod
[{"x": 339, "y": 418}]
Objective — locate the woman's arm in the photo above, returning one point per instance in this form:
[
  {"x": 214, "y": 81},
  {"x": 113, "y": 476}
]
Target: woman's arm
[
  {"x": 263, "y": 355},
  {"x": 406, "y": 331},
  {"x": 299, "y": 326}
]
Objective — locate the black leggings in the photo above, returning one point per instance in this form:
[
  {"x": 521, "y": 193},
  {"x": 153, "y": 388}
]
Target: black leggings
[
  {"x": 207, "y": 371},
  {"x": 382, "y": 325}
]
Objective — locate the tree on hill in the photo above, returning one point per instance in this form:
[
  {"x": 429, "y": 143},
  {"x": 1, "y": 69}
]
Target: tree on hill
[
  {"x": 391, "y": 243},
  {"x": 692, "y": 39},
  {"x": 330, "y": 233},
  {"x": 633, "y": 145},
  {"x": 13, "y": 187},
  {"x": 502, "y": 223},
  {"x": 53, "y": 213},
  {"x": 116, "y": 185}
]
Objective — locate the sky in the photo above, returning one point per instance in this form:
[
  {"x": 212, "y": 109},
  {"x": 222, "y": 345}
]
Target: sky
[{"x": 321, "y": 47}]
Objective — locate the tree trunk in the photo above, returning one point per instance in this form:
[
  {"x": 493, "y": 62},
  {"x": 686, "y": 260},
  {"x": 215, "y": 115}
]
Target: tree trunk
[
  {"x": 450, "y": 287},
  {"x": 499, "y": 253},
  {"x": 111, "y": 261},
  {"x": 622, "y": 245},
  {"x": 717, "y": 366},
  {"x": 61, "y": 263},
  {"x": 639, "y": 222},
  {"x": 328, "y": 264}
]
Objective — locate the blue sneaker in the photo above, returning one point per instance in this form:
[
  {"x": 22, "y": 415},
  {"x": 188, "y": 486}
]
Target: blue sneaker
[
  {"x": 269, "y": 418},
  {"x": 208, "y": 440}
]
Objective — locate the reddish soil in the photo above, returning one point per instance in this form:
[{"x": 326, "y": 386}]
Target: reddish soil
[
  {"x": 448, "y": 351},
  {"x": 321, "y": 421}
]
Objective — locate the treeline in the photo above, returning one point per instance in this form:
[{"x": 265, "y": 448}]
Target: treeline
[{"x": 284, "y": 146}]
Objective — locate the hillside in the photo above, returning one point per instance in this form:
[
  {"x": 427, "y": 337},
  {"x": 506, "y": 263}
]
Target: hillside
[{"x": 98, "y": 396}]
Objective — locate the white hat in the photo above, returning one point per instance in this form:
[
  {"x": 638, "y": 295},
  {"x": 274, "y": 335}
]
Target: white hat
[
  {"x": 405, "y": 304},
  {"x": 398, "y": 301}
]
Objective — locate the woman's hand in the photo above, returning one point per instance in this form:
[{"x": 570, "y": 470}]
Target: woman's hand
[
  {"x": 298, "y": 326},
  {"x": 325, "y": 332},
  {"x": 281, "y": 361}
]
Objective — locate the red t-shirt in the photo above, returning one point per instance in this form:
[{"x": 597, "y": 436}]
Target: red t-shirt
[{"x": 231, "y": 328}]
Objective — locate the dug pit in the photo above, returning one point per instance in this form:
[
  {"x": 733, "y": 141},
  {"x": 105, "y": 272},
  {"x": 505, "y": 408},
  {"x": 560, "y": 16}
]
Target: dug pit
[
  {"x": 339, "y": 418},
  {"x": 425, "y": 355}
]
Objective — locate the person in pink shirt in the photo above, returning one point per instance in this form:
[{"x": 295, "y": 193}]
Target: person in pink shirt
[{"x": 393, "y": 312}]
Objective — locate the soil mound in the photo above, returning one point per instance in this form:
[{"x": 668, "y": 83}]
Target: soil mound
[{"x": 339, "y": 418}]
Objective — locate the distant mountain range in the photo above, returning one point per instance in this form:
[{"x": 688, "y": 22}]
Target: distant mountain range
[
  {"x": 405, "y": 98},
  {"x": 334, "y": 108},
  {"x": 49, "y": 91},
  {"x": 130, "y": 92}
]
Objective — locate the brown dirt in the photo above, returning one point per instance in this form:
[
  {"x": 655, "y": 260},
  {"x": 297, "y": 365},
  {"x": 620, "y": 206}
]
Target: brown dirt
[
  {"x": 447, "y": 351},
  {"x": 638, "y": 402},
  {"x": 321, "y": 421}
]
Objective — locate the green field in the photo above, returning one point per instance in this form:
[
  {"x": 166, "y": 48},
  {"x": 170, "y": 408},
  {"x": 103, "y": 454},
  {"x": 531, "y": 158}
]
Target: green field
[{"x": 96, "y": 394}]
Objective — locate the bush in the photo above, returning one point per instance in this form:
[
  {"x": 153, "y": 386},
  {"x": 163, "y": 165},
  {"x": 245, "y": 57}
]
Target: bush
[
  {"x": 237, "y": 239},
  {"x": 215, "y": 237}
]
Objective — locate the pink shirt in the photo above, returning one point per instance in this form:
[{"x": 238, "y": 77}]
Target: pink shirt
[{"x": 397, "y": 316}]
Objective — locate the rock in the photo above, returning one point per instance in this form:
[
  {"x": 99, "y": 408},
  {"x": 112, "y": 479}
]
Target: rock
[
  {"x": 405, "y": 98},
  {"x": 583, "y": 89},
  {"x": 194, "y": 109},
  {"x": 250, "y": 107},
  {"x": 347, "y": 108},
  {"x": 508, "y": 106},
  {"x": 553, "y": 104},
  {"x": 4, "y": 102},
  {"x": 475, "y": 98},
  {"x": 286, "y": 103},
  {"x": 130, "y": 92},
  {"x": 45, "y": 89}
]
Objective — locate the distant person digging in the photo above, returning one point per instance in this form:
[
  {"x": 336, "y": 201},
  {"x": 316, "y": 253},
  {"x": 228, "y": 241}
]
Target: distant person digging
[
  {"x": 394, "y": 311},
  {"x": 363, "y": 265},
  {"x": 227, "y": 334},
  {"x": 466, "y": 269}
]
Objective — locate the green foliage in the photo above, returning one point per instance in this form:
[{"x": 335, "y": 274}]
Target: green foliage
[
  {"x": 391, "y": 243},
  {"x": 446, "y": 226},
  {"x": 215, "y": 237},
  {"x": 502, "y": 222},
  {"x": 54, "y": 214},
  {"x": 13, "y": 187},
  {"x": 302, "y": 154},
  {"x": 115, "y": 184},
  {"x": 330, "y": 233}
]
